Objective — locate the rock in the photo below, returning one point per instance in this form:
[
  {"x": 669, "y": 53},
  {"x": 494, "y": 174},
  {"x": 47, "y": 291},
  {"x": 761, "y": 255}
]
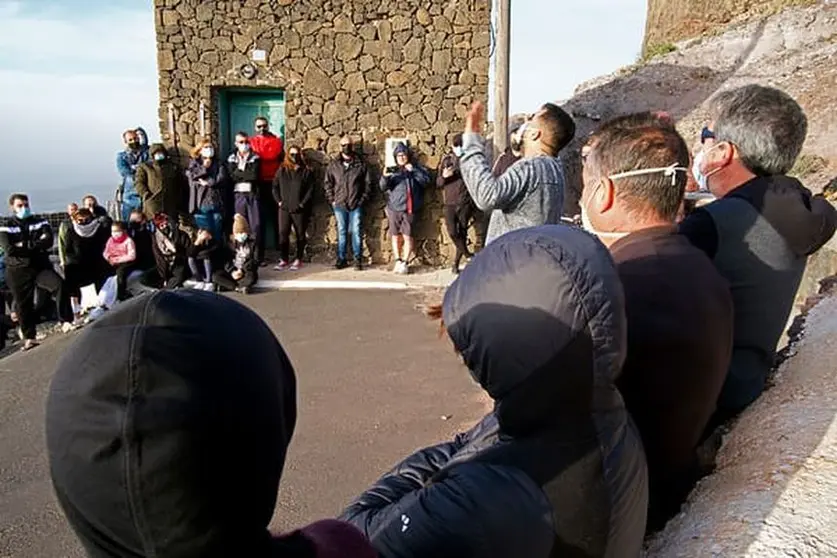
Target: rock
[
  {"x": 211, "y": 58},
  {"x": 241, "y": 43},
  {"x": 416, "y": 121},
  {"x": 334, "y": 111},
  {"x": 457, "y": 91},
  {"x": 441, "y": 23},
  {"x": 423, "y": 17},
  {"x": 347, "y": 47},
  {"x": 391, "y": 121},
  {"x": 170, "y": 17},
  {"x": 343, "y": 24},
  {"x": 478, "y": 65},
  {"x": 165, "y": 60},
  {"x": 317, "y": 82},
  {"x": 412, "y": 50},
  {"x": 400, "y": 23},
  {"x": 384, "y": 30},
  {"x": 204, "y": 12},
  {"x": 278, "y": 53},
  {"x": 354, "y": 82},
  {"x": 397, "y": 78},
  {"x": 223, "y": 43},
  {"x": 441, "y": 61},
  {"x": 366, "y": 63},
  {"x": 370, "y": 120}
]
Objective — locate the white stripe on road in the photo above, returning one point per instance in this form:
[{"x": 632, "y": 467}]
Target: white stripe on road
[{"x": 312, "y": 284}]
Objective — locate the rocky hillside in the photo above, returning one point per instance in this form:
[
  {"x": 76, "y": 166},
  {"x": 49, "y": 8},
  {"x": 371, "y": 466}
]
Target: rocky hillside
[{"x": 794, "y": 50}]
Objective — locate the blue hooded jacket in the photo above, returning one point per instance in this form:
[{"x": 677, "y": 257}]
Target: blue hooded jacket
[
  {"x": 398, "y": 184},
  {"x": 127, "y": 162},
  {"x": 557, "y": 468}
]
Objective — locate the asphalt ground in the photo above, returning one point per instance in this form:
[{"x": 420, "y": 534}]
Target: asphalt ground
[{"x": 375, "y": 382}]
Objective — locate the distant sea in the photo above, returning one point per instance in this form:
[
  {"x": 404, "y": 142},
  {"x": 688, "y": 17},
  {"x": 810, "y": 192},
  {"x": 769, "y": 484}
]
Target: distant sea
[{"x": 48, "y": 200}]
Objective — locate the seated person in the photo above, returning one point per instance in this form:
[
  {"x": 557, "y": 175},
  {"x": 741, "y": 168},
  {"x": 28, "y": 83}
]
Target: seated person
[
  {"x": 557, "y": 468},
  {"x": 169, "y": 391},
  {"x": 171, "y": 247},
  {"x": 144, "y": 278},
  {"x": 84, "y": 263},
  {"x": 679, "y": 308},
  {"x": 121, "y": 254},
  {"x": 202, "y": 252},
  {"x": 241, "y": 270}
]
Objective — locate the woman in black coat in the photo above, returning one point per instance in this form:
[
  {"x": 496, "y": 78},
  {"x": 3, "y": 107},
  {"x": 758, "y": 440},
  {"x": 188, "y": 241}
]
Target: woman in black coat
[
  {"x": 84, "y": 262},
  {"x": 557, "y": 468},
  {"x": 293, "y": 187}
]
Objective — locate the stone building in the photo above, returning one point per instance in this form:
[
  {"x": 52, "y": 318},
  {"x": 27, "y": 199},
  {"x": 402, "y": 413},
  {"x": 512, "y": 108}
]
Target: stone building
[{"x": 322, "y": 68}]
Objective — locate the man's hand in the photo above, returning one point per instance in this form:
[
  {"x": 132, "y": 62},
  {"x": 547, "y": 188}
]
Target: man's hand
[
  {"x": 473, "y": 122},
  {"x": 203, "y": 181},
  {"x": 237, "y": 274},
  {"x": 447, "y": 172},
  {"x": 19, "y": 244},
  {"x": 408, "y": 167}
]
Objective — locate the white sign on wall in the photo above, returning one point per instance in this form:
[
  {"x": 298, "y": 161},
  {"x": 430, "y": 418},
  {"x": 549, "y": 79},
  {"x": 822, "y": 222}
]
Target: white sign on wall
[{"x": 259, "y": 55}]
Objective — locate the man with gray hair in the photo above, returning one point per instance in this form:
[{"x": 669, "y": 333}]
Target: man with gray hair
[{"x": 762, "y": 228}]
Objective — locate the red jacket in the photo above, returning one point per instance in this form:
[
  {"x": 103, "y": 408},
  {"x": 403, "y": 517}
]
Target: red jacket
[{"x": 269, "y": 149}]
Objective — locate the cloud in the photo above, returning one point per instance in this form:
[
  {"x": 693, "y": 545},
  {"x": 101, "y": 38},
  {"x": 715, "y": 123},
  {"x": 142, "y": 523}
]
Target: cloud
[{"x": 68, "y": 94}]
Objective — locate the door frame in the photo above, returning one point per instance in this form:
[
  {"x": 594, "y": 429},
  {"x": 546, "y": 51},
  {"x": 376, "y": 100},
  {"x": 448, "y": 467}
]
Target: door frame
[{"x": 223, "y": 98}]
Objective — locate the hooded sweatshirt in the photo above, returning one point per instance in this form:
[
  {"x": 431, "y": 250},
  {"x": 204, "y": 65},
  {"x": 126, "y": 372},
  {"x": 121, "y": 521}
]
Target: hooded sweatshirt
[
  {"x": 405, "y": 189},
  {"x": 557, "y": 468},
  {"x": 167, "y": 427},
  {"x": 760, "y": 236},
  {"x": 86, "y": 244}
]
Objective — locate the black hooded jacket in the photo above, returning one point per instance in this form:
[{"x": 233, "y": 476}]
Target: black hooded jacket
[
  {"x": 167, "y": 427},
  {"x": 557, "y": 469},
  {"x": 759, "y": 237}
]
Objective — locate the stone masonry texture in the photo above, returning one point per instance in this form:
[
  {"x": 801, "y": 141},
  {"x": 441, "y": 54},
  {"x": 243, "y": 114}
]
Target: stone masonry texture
[{"x": 371, "y": 69}]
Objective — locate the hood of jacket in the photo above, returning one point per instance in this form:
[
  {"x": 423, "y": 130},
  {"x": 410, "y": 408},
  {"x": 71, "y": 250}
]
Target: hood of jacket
[
  {"x": 87, "y": 230},
  {"x": 142, "y": 136},
  {"x": 167, "y": 426},
  {"x": 538, "y": 317},
  {"x": 805, "y": 221}
]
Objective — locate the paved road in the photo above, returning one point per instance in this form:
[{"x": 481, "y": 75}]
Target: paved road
[{"x": 374, "y": 381}]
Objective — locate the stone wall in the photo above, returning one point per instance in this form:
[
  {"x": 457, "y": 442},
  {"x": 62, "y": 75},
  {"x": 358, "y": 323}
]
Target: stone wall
[{"x": 371, "y": 69}]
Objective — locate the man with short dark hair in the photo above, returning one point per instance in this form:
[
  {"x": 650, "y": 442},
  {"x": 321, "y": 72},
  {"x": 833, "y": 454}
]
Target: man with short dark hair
[
  {"x": 679, "y": 309},
  {"x": 512, "y": 153},
  {"x": 348, "y": 184},
  {"x": 762, "y": 228},
  {"x": 127, "y": 163},
  {"x": 531, "y": 192},
  {"x": 270, "y": 149},
  {"x": 459, "y": 207},
  {"x": 25, "y": 239}
]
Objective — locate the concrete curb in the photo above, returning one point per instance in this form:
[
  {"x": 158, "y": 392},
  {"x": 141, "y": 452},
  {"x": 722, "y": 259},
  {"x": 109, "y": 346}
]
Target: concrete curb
[{"x": 311, "y": 284}]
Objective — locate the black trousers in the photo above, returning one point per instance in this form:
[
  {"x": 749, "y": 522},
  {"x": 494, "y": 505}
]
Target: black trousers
[
  {"x": 267, "y": 217},
  {"x": 122, "y": 273},
  {"x": 457, "y": 220},
  {"x": 77, "y": 276},
  {"x": 223, "y": 279},
  {"x": 177, "y": 275},
  {"x": 299, "y": 222},
  {"x": 22, "y": 283}
]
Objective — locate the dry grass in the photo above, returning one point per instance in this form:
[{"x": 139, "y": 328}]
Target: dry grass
[{"x": 808, "y": 164}]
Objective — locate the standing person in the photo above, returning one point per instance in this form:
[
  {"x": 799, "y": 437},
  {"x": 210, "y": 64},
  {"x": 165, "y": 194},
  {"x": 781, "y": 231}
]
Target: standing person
[
  {"x": 762, "y": 227},
  {"x": 348, "y": 184},
  {"x": 63, "y": 228},
  {"x": 293, "y": 187},
  {"x": 404, "y": 187},
  {"x": 556, "y": 468},
  {"x": 171, "y": 248},
  {"x": 634, "y": 175},
  {"x": 207, "y": 178},
  {"x": 127, "y": 163},
  {"x": 268, "y": 146},
  {"x": 241, "y": 270},
  {"x": 531, "y": 192},
  {"x": 512, "y": 154},
  {"x": 25, "y": 240},
  {"x": 158, "y": 182},
  {"x": 244, "y": 169},
  {"x": 121, "y": 254},
  {"x": 85, "y": 264},
  {"x": 459, "y": 207},
  {"x": 145, "y": 275}
]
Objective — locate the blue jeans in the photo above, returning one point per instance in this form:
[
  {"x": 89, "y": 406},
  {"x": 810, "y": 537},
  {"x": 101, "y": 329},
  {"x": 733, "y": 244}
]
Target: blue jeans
[
  {"x": 348, "y": 220},
  {"x": 211, "y": 220},
  {"x": 130, "y": 202}
]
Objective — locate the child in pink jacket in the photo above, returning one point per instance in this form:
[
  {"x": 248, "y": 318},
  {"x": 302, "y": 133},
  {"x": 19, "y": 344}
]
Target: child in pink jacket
[{"x": 121, "y": 254}]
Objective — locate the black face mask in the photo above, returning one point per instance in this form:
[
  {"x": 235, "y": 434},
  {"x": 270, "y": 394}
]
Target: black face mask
[
  {"x": 133, "y": 145},
  {"x": 346, "y": 149}
]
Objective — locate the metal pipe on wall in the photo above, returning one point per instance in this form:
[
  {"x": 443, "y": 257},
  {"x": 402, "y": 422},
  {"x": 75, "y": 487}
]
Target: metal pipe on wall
[
  {"x": 172, "y": 129},
  {"x": 202, "y": 112}
]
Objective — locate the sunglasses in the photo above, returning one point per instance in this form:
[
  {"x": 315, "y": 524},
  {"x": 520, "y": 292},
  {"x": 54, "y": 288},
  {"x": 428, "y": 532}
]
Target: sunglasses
[{"x": 706, "y": 134}]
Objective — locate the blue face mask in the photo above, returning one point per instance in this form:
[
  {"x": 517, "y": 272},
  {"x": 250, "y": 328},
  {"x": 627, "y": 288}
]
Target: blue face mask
[
  {"x": 241, "y": 237},
  {"x": 457, "y": 151},
  {"x": 159, "y": 157},
  {"x": 23, "y": 213}
]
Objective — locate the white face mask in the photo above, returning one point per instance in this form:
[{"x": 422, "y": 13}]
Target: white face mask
[
  {"x": 241, "y": 237},
  {"x": 207, "y": 152},
  {"x": 457, "y": 151},
  {"x": 700, "y": 178}
]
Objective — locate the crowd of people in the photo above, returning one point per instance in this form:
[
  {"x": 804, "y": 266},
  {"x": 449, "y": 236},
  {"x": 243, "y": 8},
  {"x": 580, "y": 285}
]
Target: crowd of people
[{"x": 612, "y": 350}]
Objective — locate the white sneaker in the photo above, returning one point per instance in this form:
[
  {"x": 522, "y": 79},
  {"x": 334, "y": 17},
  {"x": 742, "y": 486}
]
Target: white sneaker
[
  {"x": 209, "y": 286},
  {"x": 281, "y": 266},
  {"x": 67, "y": 327},
  {"x": 397, "y": 268},
  {"x": 192, "y": 284}
]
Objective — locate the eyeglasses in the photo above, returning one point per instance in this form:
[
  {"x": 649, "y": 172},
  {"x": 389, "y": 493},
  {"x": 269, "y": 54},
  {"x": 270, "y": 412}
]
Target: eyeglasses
[{"x": 706, "y": 134}]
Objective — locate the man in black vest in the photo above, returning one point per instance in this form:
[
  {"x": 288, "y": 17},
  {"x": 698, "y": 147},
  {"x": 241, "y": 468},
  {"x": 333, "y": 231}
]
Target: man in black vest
[
  {"x": 761, "y": 230},
  {"x": 26, "y": 239}
]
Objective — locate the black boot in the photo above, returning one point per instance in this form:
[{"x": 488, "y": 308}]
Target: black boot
[
  {"x": 341, "y": 264},
  {"x": 358, "y": 264}
]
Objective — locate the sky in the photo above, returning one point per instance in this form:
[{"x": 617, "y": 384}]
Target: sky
[{"x": 74, "y": 75}]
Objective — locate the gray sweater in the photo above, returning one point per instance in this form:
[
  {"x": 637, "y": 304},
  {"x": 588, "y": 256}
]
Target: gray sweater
[{"x": 529, "y": 194}]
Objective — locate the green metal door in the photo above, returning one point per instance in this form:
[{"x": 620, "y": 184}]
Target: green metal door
[{"x": 237, "y": 110}]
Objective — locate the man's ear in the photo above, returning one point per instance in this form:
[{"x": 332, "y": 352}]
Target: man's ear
[{"x": 605, "y": 197}]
